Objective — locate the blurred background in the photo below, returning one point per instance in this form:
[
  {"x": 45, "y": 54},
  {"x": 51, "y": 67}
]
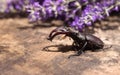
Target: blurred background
[{"x": 22, "y": 43}]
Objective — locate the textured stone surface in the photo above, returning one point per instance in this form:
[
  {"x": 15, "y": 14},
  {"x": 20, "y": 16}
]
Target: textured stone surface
[{"x": 21, "y": 52}]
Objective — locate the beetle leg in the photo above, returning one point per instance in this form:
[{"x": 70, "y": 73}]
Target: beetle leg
[
  {"x": 80, "y": 51},
  {"x": 105, "y": 48},
  {"x": 74, "y": 45}
]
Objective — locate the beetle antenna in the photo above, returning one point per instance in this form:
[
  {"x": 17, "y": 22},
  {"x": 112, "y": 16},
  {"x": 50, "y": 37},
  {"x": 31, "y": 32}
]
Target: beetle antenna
[{"x": 107, "y": 47}]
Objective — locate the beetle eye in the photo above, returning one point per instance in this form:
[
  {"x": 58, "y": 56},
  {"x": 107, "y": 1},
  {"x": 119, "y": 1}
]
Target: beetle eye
[{"x": 76, "y": 33}]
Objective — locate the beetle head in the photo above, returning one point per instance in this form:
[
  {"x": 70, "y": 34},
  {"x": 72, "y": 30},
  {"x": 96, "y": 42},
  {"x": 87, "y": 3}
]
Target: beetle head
[{"x": 68, "y": 31}]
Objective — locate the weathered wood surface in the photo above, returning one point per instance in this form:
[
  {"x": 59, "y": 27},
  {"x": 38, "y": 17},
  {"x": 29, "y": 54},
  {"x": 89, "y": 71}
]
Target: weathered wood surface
[{"x": 21, "y": 52}]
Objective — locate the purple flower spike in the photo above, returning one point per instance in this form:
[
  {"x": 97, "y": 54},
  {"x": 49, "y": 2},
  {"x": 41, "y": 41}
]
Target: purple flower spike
[
  {"x": 76, "y": 13},
  {"x": 95, "y": 11},
  {"x": 36, "y": 11}
]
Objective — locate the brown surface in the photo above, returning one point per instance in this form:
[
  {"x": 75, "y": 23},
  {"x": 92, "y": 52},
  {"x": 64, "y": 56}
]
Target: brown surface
[{"x": 21, "y": 52}]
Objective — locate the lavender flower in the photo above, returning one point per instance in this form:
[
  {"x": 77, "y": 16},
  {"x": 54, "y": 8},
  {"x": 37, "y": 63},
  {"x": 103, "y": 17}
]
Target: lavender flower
[
  {"x": 95, "y": 11},
  {"x": 36, "y": 11},
  {"x": 56, "y": 9},
  {"x": 76, "y": 13}
]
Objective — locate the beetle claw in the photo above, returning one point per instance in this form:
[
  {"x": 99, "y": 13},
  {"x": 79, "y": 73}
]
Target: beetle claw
[
  {"x": 57, "y": 31},
  {"x": 77, "y": 54}
]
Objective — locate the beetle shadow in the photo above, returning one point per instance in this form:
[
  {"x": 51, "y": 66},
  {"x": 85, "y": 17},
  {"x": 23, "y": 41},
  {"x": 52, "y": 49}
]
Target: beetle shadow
[
  {"x": 35, "y": 26},
  {"x": 60, "y": 48},
  {"x": 91, "y": 29},
  {"x": 106, "y": 26},
  {"x": 3, "y": 48},
  {"x": 67, "y": 48},
  {"x": 13, "y": 15}
]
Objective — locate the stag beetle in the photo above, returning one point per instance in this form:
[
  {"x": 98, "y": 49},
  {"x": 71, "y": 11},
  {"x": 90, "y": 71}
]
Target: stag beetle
[{"x": 82, "y": 41}]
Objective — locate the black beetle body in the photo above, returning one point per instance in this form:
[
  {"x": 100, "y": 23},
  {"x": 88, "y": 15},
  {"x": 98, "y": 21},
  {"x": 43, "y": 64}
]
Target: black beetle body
[
  {"x": 93, "y": 42},
  {"x": 82, "y": 41}
]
